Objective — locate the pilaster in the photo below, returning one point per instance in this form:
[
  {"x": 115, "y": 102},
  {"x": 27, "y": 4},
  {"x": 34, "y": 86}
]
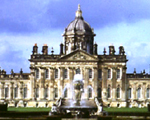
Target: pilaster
[
  {"x": 104, "y": 83},
  {"x": 114, "y": 84},
  {"x": 95, "y": 81}
]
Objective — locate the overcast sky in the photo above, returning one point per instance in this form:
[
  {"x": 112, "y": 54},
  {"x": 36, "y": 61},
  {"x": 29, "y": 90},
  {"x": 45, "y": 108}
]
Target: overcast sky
[{"x": 119, "y": 22}]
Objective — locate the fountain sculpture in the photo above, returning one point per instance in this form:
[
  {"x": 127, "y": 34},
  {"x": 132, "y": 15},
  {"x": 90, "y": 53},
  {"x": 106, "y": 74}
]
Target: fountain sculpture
[{"x": 77, "y": 105}]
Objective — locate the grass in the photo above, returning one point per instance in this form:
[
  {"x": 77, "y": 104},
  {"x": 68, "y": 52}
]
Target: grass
[
  {"x": 106, "y": 109},
  {"x": 126, "y": 109},
  {"x": 30, "y": 109}
]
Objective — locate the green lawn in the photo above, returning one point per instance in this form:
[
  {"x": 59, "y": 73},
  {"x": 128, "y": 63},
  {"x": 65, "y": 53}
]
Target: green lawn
[
  {"x": 126, "y": 109},
  {"x": 106, "y": 109},
  {"x": 29, "y": 109}
]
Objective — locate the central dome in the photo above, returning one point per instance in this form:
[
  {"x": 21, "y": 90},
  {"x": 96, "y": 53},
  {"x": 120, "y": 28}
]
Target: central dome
[{"x": 79, "y": 26}]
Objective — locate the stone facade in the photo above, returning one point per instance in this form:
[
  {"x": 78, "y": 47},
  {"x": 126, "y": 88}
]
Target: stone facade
[{"x": 51, "y": 75}]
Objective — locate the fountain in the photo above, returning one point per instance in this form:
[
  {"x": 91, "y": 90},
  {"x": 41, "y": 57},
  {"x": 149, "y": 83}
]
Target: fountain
[{"x": 77, "y": 106}]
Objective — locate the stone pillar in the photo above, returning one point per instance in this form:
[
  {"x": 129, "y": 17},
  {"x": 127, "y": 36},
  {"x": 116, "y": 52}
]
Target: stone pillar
[
  {"x": 86, "y": 76},
  {"x": 51, "y": 84},
  {"x": 21, "y": 90},
  {"x": 114, "y": 84},
  {"x": 42, "y": 84},
  {"x": 2, "y": 90},
  {"x": 61, "y": 82},
  {"x": 71, "y": 77},
  {"x": 11, "y": 90},
  {"x": 124, "y": 83},
  {"x": 143, "y": 96},
  {"x": 32, "y": 87},
  {"x": 95, "y": 80},
  {"x": 104, "y": 83},
  {"x": 134, "y": 91}
]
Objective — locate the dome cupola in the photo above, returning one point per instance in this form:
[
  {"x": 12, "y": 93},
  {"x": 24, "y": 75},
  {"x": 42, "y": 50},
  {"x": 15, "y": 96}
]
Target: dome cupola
[{"x": 78, "y": 34}]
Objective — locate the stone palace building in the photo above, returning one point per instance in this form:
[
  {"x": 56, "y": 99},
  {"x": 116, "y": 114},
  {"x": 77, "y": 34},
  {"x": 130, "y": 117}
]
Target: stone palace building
[{"x": 51, "y": 75}]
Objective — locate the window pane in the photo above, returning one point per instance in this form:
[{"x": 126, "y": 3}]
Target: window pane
[
  {"x": 118, "y": 92},
  {"x": 15, "y": 92},
  {"x": 139, "y": 93},
  {"x": 99, "y": 92},
  {"x": 46, "y": 73},
  {"x": 25, "y": 92},
  {"x": 90, "y": 92},
  {"x": 148, "y": 92},
  {"x": 99, "y": 74},
  {"x": 65, "y": 73},
  {"x": 56, "y": 73},
  {"x": 129, "y": 93},
  {"x": 90, "y": 73},
  {"x": 118, "y": 73},
  {"x": 56, "y": 92},
  {"x": 66, "y": 93},
  {"x": 37, "y": 92},
  {"x": 109, "y": 73},
  {"x": 108, "y": 93},
  {"x": 78, "y": 71},
  {"x": 37, "y": 73},
  {"x": 46, "y": 93},
  {"x": 6, "y": 92}
]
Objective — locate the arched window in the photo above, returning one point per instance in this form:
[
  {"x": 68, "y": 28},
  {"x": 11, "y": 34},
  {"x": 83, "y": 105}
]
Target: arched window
[
  {"x": 37, "y": 92},
  {"x": 56, "y": 73},
  {"x": 25, "y": 92},
  {"x": 109, "y": 73},
  {"x": 46, "y": 92},
  {"x": 90, "y": 92},
  {"x": 6, "y": 92},
  {"x": 148, "y": 92},
  {"x": 46, "y": 73},
  {"x": 65, "y": 73},
  {"x": 99, "y": 73},
  {"x": 118, "y": 92},
  {"x": 108, "y": 92},
  {"x": 129, "y": 93},
  {"x": 139, "y": 93},
  {"x": 66, "y": 93},
  {"x": 16, "y": 92},
  {"x": 37, "y": 73},
  {"x": 118, "y": 73},
  {"x": 78, "y": 71},
  {"x": 99, "y": 93},
  {"x": 55, "y": 92},
  {"x": 90, "y": 73}
]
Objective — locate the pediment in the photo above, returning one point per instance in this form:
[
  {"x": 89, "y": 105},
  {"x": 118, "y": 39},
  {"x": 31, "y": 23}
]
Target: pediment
[{"x": 79, "y": 55}]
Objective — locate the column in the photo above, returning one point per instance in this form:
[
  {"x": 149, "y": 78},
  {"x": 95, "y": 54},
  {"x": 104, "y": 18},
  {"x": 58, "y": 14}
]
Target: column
[
  {"x": 95, "y": 82},
  {"x": 32, "y": 87},
  {"x": 124, "y": 83},
  {"x": 21, "y": 90},
  {"x": 144, "y": 91},
  {"x": 51, "y": 84},
  {"x": 104, "y": 83},
  {"x": 2, "y": 90},
  {"x": 11, "y": 90},
  {"x": 71, "y": 75},
  {"x": 86, "y": 76},
  {"x": 61, "y": 82},
  {"x": 42, "y": 83},
  {"x": 114, "y": 84}
]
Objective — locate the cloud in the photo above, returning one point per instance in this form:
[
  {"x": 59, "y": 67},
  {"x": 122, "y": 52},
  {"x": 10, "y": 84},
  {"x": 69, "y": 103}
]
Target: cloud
[{"x": 12, "y": 59}]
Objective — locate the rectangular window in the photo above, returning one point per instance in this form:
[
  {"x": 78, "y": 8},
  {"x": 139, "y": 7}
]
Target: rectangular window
[
  {"x": 65, "y": 73},
  {"x": 129, "y": 93},
  {"x": 148, "y": 92},
  {"x": 56, "y": 73},
  {"x": 118, "y": 73},
  {"x": 6, "y": 92},
  {"x": 90, "y": 73},
  {"x": 46, "y": 92},
  {"x": 46, "y": 73},
  {"x": 100, "y": 74},
  {"x": 15, "y": 92},
  {"x": 109, "y": 73},
  {"x": 37, "y": 92},
  {"x": 25, "y": 92},
  {"x": 55, "y": 92},
  {"x": 37, "y": 73}
]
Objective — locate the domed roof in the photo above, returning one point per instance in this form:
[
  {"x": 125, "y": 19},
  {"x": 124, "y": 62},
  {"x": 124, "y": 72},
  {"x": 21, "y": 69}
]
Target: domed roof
[{"x": 79, "y": 25}]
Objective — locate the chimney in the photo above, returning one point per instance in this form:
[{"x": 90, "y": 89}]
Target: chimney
[
  {"x": 61, "y": 49},
  {"x": 35, "y": 49},
  {"x": 121, "y": 50},
  {"x": 111, "y": 50},
  {"x": 45, "y": 49},
  {"x": 95, "y": 49}
]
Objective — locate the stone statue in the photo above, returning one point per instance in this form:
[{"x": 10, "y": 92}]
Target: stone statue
[{"x": 78, "y": 88}]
